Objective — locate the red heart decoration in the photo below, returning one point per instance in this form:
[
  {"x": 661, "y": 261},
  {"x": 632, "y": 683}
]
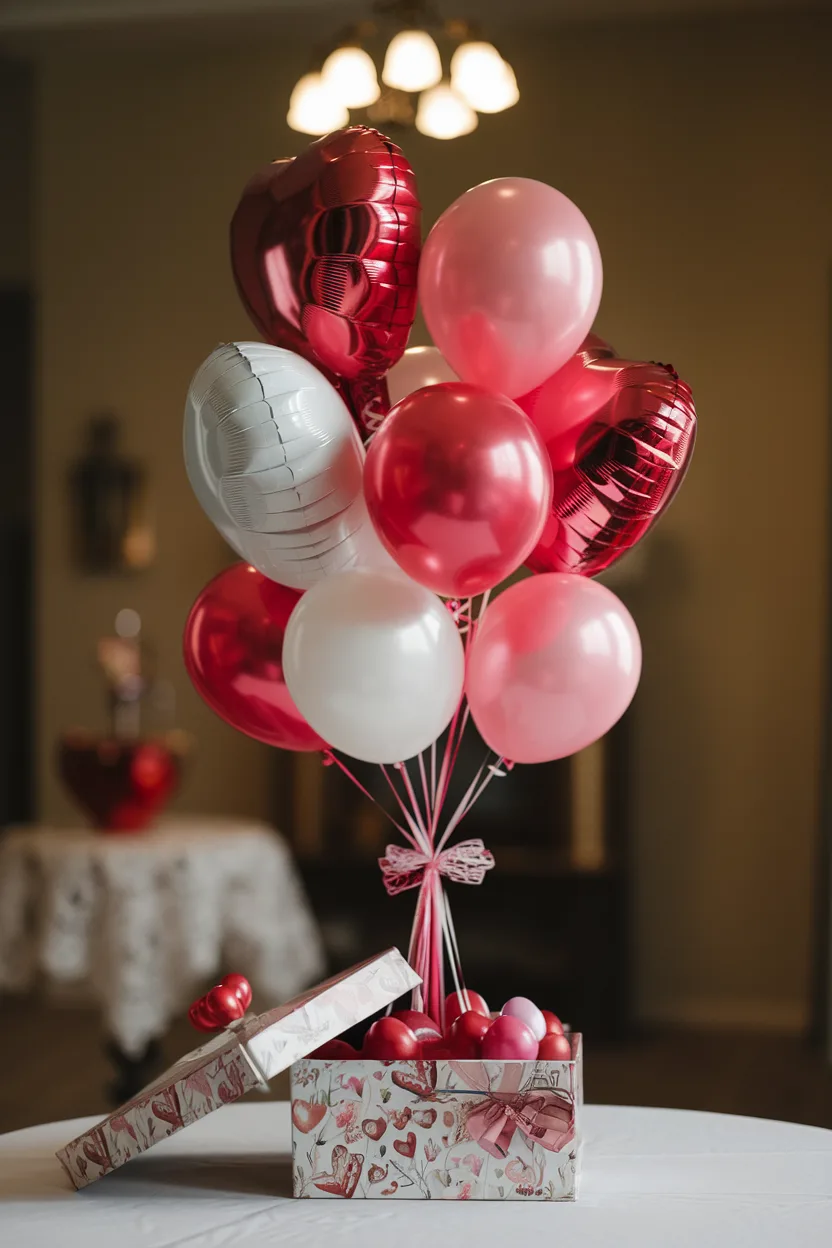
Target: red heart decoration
[
  {"x": 241, "y": 988},
  {"x": 325, "y": 250},
  {"x": 346, "y": 1171},
  {"x": 307, "y": 1114},
  {"x": 424, "y": 1118},
  {"x": 406, "y": 1147},
  {"x": 374, "y": 1128},
  {"x": 422, "y": 1082},
  {"x": 400, "y": 1117},
  {"x": 619, "y": 434},
  {"x": 199, "y": 1019},
  {"x": 222, "y": 1005}
]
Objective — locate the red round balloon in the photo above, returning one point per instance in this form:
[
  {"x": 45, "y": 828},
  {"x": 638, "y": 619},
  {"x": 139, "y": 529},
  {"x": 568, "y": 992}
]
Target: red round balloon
[
  {"x": 335, "y": 1050},
  {"x": 619, "y": 435},
  {"x": 233, "y": 648},
  {"x": 422, "y": 1025},
  {"x": 456, "y": 1004},
  {"x": 458, "y": 487},
  {"x": 554, "y": 1027},
  {"x": 389, "y": 1039},
  {"x": 555, "y": 1047},
  {"x": 325, "y": 252},
  {"x": 466, "y": 1033}
]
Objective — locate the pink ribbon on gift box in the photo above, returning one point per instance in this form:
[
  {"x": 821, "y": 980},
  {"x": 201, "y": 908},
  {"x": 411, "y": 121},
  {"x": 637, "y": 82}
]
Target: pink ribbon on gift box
[
  {"x": 543, "y": 1116},
  {"x": 464, "y": 863}
]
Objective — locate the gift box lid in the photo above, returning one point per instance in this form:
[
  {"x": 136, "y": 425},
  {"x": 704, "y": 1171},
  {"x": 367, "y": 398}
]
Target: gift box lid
[{"x": 240, "y": 1058}]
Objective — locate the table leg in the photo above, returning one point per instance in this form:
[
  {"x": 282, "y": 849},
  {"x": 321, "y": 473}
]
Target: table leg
[{"x": 132, "y": 1073}]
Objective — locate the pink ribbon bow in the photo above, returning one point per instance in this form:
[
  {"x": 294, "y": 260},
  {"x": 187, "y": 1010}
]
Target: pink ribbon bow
[
  {"x": 464, "y": 863},
  {"x": 544, "y": 1117}
]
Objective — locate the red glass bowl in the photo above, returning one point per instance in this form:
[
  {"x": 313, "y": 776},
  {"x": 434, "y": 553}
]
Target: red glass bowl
[{"x": 121, "y": 785}]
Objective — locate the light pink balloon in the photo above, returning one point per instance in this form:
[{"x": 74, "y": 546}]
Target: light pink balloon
[
  {"x": 554, "y": 665},
  {"x": 510, "y": 280}
]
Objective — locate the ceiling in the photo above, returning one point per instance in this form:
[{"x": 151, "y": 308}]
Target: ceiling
[{"x": 55, "y": 15}]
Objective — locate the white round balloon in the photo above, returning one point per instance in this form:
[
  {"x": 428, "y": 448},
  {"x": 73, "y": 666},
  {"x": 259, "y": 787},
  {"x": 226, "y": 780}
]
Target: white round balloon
[
  {"x": 418, "y": 367},
  {"x": 276, "y": 462},
  {"x": 374, "y": 663}
]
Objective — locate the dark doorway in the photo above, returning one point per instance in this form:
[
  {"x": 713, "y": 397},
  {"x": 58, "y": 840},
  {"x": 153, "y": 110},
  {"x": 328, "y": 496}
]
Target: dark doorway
[{"x": 16, "y": 557}]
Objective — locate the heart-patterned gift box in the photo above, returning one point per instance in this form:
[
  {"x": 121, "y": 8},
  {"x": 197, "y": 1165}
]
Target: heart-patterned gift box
[
  {"x": 441, "y": 1130},
  {"x": 250, "y": 1052}
]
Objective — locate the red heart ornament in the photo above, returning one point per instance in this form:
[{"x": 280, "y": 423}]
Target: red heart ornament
[
  {"x": 307, "y": 1114},
  {"x": 619, "y": 435},
  {"x": 407, "y": 1146},
  {"x": 421, "y": 1082},
  {"x": 374, "y": 1128},
  {"x": 346, "y": 1171},
  {"x": 241, "y": 988},
  {"x": 400, "y": 1117},
  {"x": 222, "y": 1005},
  {"x": 325, "y": 250}
]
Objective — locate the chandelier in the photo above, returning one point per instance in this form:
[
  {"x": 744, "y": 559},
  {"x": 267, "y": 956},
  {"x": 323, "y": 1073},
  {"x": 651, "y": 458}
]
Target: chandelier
[{"x": 415, "y": 88}]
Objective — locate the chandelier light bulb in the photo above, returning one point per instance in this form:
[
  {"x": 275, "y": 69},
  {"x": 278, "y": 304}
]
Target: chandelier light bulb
[
  {"x": 442, "y": 114},
  {"x": 482, "y": 78},
  {"x": 412, "y": 62},
  {"x": 349, "y": 73},
  {"x": 314, "y": 108}
]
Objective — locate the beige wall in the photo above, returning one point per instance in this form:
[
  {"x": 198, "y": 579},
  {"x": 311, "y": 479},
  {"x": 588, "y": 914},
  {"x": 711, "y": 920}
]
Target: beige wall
[{"x": 696, "y": 151}]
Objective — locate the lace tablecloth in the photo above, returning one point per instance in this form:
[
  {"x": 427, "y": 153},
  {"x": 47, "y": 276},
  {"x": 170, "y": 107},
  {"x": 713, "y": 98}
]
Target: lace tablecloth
[{"x": 139, "y": 922}]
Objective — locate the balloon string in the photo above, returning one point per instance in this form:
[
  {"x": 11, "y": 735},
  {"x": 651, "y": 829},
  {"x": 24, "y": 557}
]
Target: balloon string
[
  {"x": 426, "y": 794},
  {"x": 330, "y": 757},
  {"x": 433, "y": 935},
  {"x": 414, "y": 804},
  {"x": 419, "y": 837}
]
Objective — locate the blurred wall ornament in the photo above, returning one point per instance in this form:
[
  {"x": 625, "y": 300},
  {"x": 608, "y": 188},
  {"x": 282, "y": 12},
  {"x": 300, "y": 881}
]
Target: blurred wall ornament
[
  {"x": 436, "y": 74},
  {"x": 111, "y": 529},
  {"x": 124, "y": 777}
]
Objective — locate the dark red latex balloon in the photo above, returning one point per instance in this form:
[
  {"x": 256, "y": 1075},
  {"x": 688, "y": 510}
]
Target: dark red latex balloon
[
  {"x": 619, "y": 435},
  {"x": 458, "y": 487},
  {"x": 325, "y": 250},
  {"x": 233, "y": 647}
]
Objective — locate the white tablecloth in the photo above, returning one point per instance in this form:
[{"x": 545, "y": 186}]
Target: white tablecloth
[
  {"x": 138, "y": 921},
  {"x": 652, "y": 1178}
]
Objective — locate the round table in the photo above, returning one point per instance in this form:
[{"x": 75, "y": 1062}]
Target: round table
[
  {"x": 139, "y": 922},
  {"x": 652, "y": 1178}
]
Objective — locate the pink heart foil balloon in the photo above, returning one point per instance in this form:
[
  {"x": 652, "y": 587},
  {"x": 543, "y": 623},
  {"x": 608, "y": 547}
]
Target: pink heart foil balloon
[
  {"x": 619, "y": 435},
  {"x": 325, "y": 250}
]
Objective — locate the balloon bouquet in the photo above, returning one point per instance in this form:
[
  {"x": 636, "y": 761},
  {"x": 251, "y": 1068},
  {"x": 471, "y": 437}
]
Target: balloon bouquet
[{"x": 358, "y": 623}]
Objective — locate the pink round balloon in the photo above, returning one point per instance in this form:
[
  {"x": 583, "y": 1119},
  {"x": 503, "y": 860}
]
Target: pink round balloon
[
  {"x": 554, "y": 665},
  {"x": 510, "y": 280},
  {"x": 509, "y": 1039},
  {"x": 528, "y": 1013},
  {"x": 458, "y": 487}
]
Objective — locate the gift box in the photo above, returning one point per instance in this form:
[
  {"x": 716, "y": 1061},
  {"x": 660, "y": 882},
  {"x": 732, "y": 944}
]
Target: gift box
[
  {"x": 452, "y": 1130},
  {"x": 437, "y": 1130},
  {"x": 244, "y": 1056}
]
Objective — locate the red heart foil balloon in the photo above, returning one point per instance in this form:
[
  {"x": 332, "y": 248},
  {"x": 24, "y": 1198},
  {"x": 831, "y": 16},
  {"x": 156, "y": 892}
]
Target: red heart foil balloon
[
  {"x": 619, "y": 435},
  {"x": 325, "y": 251}
]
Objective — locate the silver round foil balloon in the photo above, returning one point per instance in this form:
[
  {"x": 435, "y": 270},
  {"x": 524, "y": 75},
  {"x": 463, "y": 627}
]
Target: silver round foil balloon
[{"x": 276, "y": 463}]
